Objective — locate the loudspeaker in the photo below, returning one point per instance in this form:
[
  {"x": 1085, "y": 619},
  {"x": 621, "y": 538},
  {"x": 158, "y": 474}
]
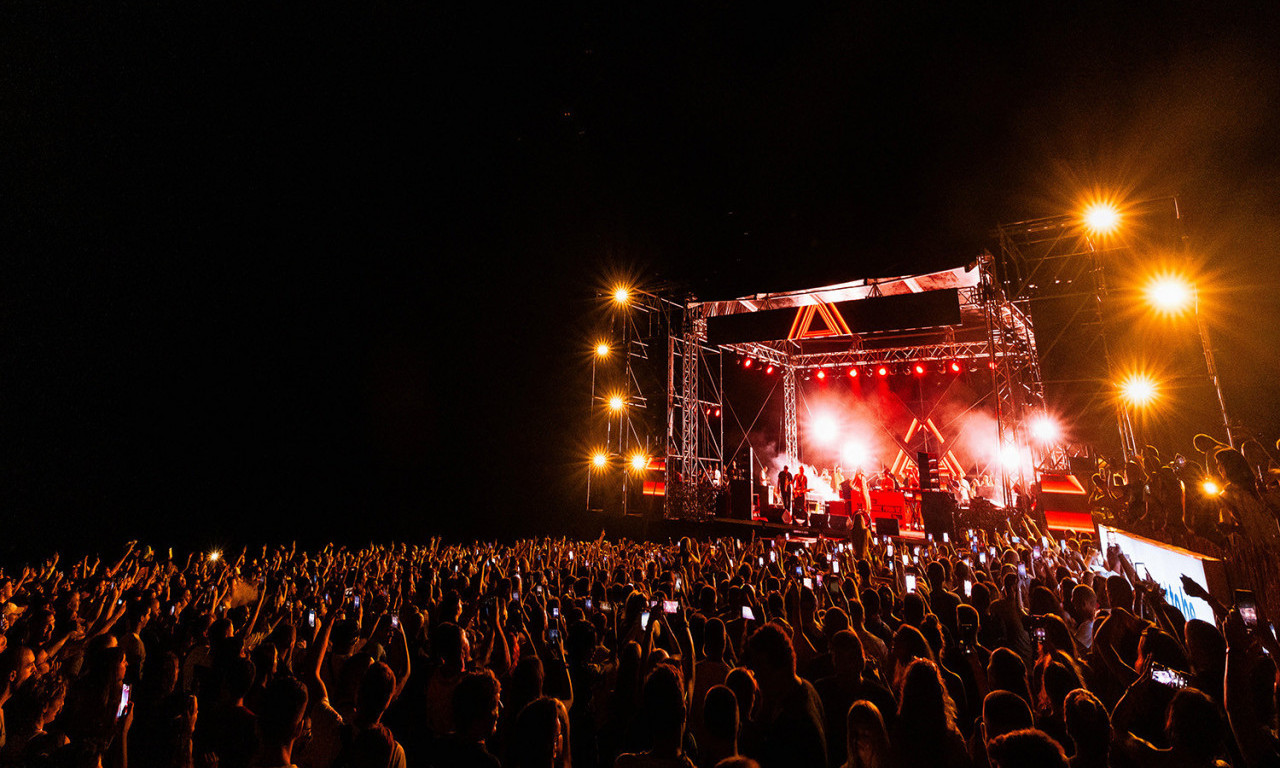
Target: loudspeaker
[
  {"x": 740, "y": 499},
  {"x": 939, "y": 512},
  {"x": 887, "y": 526},
  {"x": 773, "y": 514}
]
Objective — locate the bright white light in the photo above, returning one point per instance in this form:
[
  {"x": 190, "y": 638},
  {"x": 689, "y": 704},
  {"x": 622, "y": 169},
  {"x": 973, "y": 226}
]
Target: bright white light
[
  {"x": 616, "y": 402},
  {"x": 621, "y": 295},
  {"x": 1009, "y": 456},
  {"x": 1211, "y": 488},
  {"x": 1170, "y": 294},
  {"x": 1138, "y": 389},
  {"x": 602, "y": 350},
  {"x": 1044, "y": 429},
  {"x": 1101, "y": 218},
  {"x": 638, "y": 462},
  {"x": 599, "y": 460},
  {"x": 854, "y": 455},
  {"x": 825, "y": 430}
]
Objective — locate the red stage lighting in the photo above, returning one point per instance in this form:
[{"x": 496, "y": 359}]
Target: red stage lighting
[
  {"x": 882, "y": 371},
  {"x": 822, "y": 374},
  {"x": 955, "y": 367},
  {"x": 992, "y": 365},
  {"x": 919, "y": 369},
  {"x": 717, "y": 413},
  {"x": 747, "y": 363},
  {"x": 769, "y": 369},
  {"x": 853, "y": 373}
]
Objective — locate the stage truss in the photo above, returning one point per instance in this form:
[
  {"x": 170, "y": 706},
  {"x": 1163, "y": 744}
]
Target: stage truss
[{"x": 995, "y": 333}]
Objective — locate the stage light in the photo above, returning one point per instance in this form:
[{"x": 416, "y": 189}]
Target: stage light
[
  {"x": 717, "y": 413},
  {"x": 638, "y": 462},
  {"x": 621, "y": 295},
  {"x": 1138, "y": 389},
  {"x": 822, "y": 374},
  {"x": 769, "y": 369},
  {"x": 1101, "y": 218},
  {"x": 1211, "y": 488},
  {"x": 825, "y": 430},
  {"x": 214, "y": 555},
  {"x": 602, "y": 350},
  {"x": 746, "y": 363},
  {"x": 919, "y": 369},
  {"x": 1009, "y": 456},
  {"x": 1170, "y": 294},
  {"x": 1044, "y": 429},
  {"x": 882, "y": 371},
  {"x": 853, "y": 373},
  {"x": 599, "y": 460},
  {"x": 854, "y": 455},
  {"x": 955, "y": 367},
  {"x": 617, "y": 403},
  {"x": 991, "y": 365}
]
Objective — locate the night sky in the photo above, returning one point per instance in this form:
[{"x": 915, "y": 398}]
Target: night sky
[{"x": 302, "y": 272}]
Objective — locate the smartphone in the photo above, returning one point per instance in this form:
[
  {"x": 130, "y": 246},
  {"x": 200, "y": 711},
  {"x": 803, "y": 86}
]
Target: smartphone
[
  {"x": 553, "y": 634},
  {"x": 587, "y": 603},
  {"x": 1017, "y": 540},
  {"x": 173, "y": 609},
  {"x": 835, "y": 566},
  {"x": 799, "y": 570},
  {"x": 982, "y": 558},
  {"x": 515, "y": 596},
  {"x": 679, "y": 584},
  {"x": 1248, "y": 608},
  {"x": 773, "y": 556},
  {"x": 1022, "y": 571},
  {"x": 555, "y": 612},
  {"x": 946, "y": 538},
  {"x": 1170, "y": 678},
  {"x": 670, "y": 606},
  {"x": 911, "y": 583},
  {"x": 748, "y": 614},
  {"x": 808, "y": 582},
  {"x": 889, "y": 550},
  {"x": 355, "y": 600},
  {"x": 539, "y": 588},
  {"x": 124, "y": 701},
  {"x": 1035, "y": 552},
  {"x": 395, "y": 622},
  {"x": 818, "y": 580},
  {"x": 644, "y": 620},
  {"x": 761, "y": 561},
  {"x": 1040, "y": 634},
  {"x": 968, "y": 588},
  {"x": 311, "y": 618},
  {"x": 571, "y": 554}
]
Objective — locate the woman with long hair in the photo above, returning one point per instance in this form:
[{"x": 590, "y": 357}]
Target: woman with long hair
[
  {"x": 925, "y": 733},
  {"x": 867, "y": 740}
]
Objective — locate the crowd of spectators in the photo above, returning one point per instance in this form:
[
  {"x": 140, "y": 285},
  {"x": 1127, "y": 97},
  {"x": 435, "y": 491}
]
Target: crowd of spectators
[{"x": 992, "y": 649}]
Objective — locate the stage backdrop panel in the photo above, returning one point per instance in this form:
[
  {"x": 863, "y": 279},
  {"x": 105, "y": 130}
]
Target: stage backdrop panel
[{"x": 904, "y": 312}]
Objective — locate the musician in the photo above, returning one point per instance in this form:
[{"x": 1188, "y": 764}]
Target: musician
[
  {"x": 799, "y": 487},
  {"x": 887, "y": 482},
  {"x": 784, "y": 487}
]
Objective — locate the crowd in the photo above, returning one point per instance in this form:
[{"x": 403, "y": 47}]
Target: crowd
[{"x": 1001, "y": 648}]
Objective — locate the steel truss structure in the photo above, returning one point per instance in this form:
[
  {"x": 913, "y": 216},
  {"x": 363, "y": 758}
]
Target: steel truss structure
[{"x": 994, "y": 332}]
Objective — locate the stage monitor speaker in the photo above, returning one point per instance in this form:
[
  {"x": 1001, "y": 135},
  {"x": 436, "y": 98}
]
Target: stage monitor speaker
[
  {"x": 773, "y": 514},
  {"x": 740, "y": 499},
  {"x": 939, "y": 512},
  {"x": 887, "y": 526}
]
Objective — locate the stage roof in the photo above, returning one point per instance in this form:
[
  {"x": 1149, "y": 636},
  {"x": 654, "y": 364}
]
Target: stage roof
[{"x": 960, "y": 277}]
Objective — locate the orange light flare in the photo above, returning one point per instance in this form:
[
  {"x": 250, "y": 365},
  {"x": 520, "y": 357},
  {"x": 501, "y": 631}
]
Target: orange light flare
[
  {"x": 1101, "y": 218},
  {"x": 638, "y": 462},
  {"x": 1139, "y": 390},
  {"x": 599, "y": 460},
  {"x": 602, "y": 350},
  {"x": 1170, "y": 294},
  {"x": 622, "y": 295},
  {"x": 617, "y": 403}
]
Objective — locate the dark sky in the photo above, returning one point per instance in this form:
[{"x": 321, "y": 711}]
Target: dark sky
[{"x": 308, "y": 272}]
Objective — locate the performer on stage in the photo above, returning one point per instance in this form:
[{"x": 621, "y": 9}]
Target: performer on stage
[
  {"x": 799, "y": 487},
  {"x": 887, "y": 482},
  {"x": 784, "y": 487}
]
